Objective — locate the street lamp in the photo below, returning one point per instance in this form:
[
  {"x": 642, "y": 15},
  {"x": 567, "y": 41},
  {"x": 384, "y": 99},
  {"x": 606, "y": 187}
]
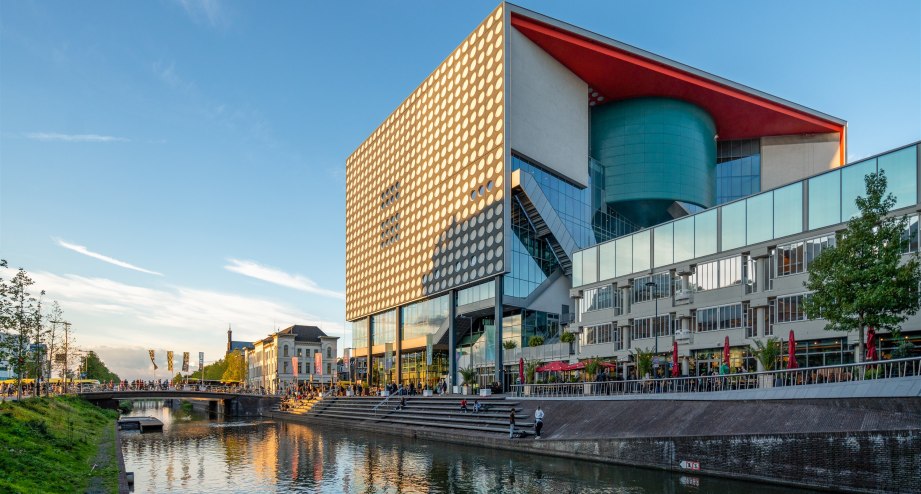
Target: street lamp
[{"x": 655, "y": 320}]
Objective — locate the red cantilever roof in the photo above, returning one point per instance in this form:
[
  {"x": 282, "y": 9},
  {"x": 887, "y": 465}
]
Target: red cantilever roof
[{"x": 618, "y": 71}]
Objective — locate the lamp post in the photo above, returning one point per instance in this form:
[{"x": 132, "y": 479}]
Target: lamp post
[{"x": 655, "y": 321}]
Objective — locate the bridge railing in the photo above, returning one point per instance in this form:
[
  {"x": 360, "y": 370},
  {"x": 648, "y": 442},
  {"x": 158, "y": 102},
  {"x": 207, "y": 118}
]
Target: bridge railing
[
  {"x": 863, "y": 371},
  {"x": 118, "y": 388}
]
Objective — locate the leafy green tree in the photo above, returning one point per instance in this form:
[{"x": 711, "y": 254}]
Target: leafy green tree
[
  {"x": 19, "y": 318},
  {"x": 96, "y": 369},
  {"x": 862, "y": 282},
  {"x": 767, "y": 352},
  {"x": 643, "y": 359},
  {"x": 536, "y": 340},
  {"x": 236, "y": 367}
]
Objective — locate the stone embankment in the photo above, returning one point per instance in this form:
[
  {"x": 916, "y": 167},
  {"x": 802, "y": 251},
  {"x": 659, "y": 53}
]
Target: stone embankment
[{"x": 850, "y": 444}]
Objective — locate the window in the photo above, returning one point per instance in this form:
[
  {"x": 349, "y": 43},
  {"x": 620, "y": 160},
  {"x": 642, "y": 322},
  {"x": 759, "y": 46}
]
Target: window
[
  {"x": 789, "y": 308},
  {"x": 598, "y": 299},
  {"x": 910, "y": 236},
  {"x": 285, "y": 367},
  {"x": 733, "y": 316},
  {"x": 716, "y": 274},
  {"x": 300, "y": 351},
  {"x": 738, "y": 172},
  {"x": 647, "y": 327},
  {"x": 794, "y": 258},
  {"x": 603, "y": 333},
  {"x": 329, "y": 369},
  {"x": 329, "y": 352},
  {"x": 286, "y": 350},
  {"x": 644, "y": 293}
]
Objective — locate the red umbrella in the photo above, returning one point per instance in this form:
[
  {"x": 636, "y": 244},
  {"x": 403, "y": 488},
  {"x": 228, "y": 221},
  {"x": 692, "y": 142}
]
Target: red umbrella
[
  {"x": 791, "y": 362},
  {"x": 609, "y": 365},
  {"x": 557, "y": 366},
  {"x": 575, "y": 366},
  {"x": 871, "y": 344},
  {"x": 521, "y": 370},
  {"x": 726, "y": 351},
  {"x": 675, "y": 371}
]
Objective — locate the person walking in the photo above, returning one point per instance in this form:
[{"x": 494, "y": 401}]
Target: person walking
[
  {"x": 511, "y": 424},
  {"x": 538, "y": 422}
]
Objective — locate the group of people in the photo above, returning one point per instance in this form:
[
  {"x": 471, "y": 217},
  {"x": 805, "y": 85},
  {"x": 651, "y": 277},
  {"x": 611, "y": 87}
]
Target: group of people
[
  {"x": 477, "y": 406},
  {"x": 538, "y": 423}
]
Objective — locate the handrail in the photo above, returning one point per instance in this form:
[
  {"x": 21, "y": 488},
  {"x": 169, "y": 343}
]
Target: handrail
[
  {"x": 861, "y": 371},
  {"x": 385, "y": 400}
]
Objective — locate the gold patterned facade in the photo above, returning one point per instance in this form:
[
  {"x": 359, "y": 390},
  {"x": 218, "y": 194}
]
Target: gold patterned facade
[{"x": 425, "y": 192}]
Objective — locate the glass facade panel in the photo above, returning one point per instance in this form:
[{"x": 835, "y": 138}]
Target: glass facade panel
[
  {"x": 705, "y": 233},
  {"x": 476, "y": 293},
  {"x": 788, "y": 210},
  {"x": 425, "y": 317},
  {"x": 606, "y": 260},
  {"x": 598, "y": 299},
  {"x": 789, "y": 308},
  {"x": 901, "y": 169},
  {"x": 532, "y": 259},
  {"x": 624, "y": 255},
  {"x": 738, "y": 172},
  {"x": 641, "y": 250},
  {"x": 825, "y": 200},
  {"x": 597, "y": 335},
  {"x": 577, "y": 269},
  {"x": 733, "y": 225},
  {"x": 644, "y": 292},
  {"x": 716, "y": 274},
  {"x": 360, "y": 333},
  {"x": 759, "y": 211},
  {"x": 590, "y": 265},
  {"x": 384, "y": 327},
  {"x": 684, "y": 239},
  {"x": 910, "y": 235},
  {"x": 663, "y": 240},
  {"x": 854, "y": 186}
]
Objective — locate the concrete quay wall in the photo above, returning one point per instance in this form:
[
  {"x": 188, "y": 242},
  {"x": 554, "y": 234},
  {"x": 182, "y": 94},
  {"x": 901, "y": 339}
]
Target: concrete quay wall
[{"x": 852, "y": 445}]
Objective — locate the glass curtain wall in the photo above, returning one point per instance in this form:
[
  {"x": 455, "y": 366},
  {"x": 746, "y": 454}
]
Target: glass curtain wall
[
  {"x": 738, "y": 169},
  {"x": 416, "y": 371},
  {"x": 532, "y": 259},
  {"x": 425, "y": 317}
]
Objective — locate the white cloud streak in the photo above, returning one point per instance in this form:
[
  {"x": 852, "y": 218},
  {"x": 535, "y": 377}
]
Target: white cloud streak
[
  {"x": 121, "y": 320},
  {"x": 281, "y": 278},
  {"x": 54, "y": 136},
  {"x": 86, "y": 252}
]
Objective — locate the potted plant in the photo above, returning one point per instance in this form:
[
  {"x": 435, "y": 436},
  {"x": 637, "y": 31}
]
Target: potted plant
[
  {"x": 510, "y": 344},
  {"x": 570, "y": 338},
  {"x": 767, "y": 352},
  {"x": 536, "y": 340},
  {"x": 530, "y": 372},
  {"x": 591, "y": 370},
  {"x": 469, "y": 375},
  {"x": 643, "y": 358}
]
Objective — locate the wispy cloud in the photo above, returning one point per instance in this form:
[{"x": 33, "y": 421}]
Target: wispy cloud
[
  {"x": 168, "y": 74},
  {"x": 121, "y": 316},
  {"x": 95, "y": 255},
  {"x": 205, "y": 12},
  {"x": 54, "y": 136},
  {"x": 279, "y": 277}
]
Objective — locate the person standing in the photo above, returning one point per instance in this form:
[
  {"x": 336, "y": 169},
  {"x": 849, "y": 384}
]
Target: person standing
[
  {"x": 511, "y": 424},
  {"x": 538, "y": 422}
]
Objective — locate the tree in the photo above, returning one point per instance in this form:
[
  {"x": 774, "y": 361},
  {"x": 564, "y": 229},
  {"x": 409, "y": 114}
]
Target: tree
[
  {"x": 862, "y": 282},
  {"x": 96, "y": 369},
  {"x": 54, "y": 317},
  {"x": 236, "y": 367},
  {"x": 767, "y": 352},
  {"x": 18, "y": 319}
]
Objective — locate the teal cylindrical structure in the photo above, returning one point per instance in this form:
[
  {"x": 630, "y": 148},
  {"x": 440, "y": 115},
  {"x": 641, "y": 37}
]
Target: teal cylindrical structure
[{"x": 654, "y": 151}]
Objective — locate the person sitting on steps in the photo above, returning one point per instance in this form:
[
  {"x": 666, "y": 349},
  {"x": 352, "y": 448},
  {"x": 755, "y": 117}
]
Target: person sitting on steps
[{"x": 463, "y": 405}]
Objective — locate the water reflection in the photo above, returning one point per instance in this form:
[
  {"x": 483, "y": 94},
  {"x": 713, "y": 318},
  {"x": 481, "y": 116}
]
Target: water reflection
[{"x": 198, "y": 454}]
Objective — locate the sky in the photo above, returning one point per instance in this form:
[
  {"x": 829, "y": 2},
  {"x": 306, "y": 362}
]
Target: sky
[{"x": 172, "y": 168}]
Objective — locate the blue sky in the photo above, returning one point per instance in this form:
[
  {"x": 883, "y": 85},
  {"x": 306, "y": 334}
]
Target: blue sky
[{"x": 170, "y": 167}]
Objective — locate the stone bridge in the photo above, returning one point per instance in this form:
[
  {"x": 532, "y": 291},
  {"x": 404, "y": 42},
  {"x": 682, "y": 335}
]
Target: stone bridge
[{"x": 229, "y": 403}]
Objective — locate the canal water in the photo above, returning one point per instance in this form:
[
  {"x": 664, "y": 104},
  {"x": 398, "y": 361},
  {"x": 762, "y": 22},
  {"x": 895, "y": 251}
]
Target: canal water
[{"x": 198, "y": 453}]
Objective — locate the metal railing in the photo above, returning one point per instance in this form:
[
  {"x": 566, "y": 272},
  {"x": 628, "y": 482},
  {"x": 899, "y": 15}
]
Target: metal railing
[
  {"x": 176, "y": 389},
  {"x": 863, "y": 371}
]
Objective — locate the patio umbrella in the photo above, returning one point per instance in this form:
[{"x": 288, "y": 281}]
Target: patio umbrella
[
  {"x": 726, "y": 351},
  {"x": 609, "y": 365},
  {"x": 557, "y": 366},
  {"x": 871, "y": 344},
  {"x": 791, "y": 362},
  {"x": 521, "y": 370},
  {"x": 675, "y": 371}
]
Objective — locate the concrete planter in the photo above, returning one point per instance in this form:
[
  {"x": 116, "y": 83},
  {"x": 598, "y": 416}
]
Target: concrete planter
[
  {"x": 766, "y": 381},
  {"x": 587, "y": 389},
  {"x": 455, "y": 390},
  {"x": 427, "y": 392},
  {"x": 527, "y": 390},
  {"x": 485, "y": 392},
  {"x": 349, "y": 392},
  {"x": 465, "y": 390}
]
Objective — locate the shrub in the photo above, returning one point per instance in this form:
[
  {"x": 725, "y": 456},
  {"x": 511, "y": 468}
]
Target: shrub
[
  {"x": 536, "y": 341},
  {"x": 509, "y": 344},
  {"x": 568, "y": 337}
]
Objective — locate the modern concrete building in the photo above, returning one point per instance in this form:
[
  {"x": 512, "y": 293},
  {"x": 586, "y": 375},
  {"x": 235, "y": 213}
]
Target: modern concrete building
[
  {"x": 532, "y": 147},
  {"x": 271, "y": 363}
]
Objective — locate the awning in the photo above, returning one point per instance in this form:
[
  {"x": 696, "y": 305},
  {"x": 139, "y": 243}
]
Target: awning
[{"x": 557, "y": 366}]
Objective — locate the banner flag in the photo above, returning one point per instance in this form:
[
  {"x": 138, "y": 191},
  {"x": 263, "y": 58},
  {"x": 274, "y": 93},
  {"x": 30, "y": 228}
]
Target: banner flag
[
  {"x": 201, "y": 360},
  {"x": 153, "y": 359},
  {"x": 294, "y": 365},
  {"x": 169, "y": 360},
  {"x": 388, "y": 360},
  {"x": 428, "y": 349},
  {"x": 318, "y": 363},
  {"x": 185, "y": 361},
  {"x": 346, "y": 355}
]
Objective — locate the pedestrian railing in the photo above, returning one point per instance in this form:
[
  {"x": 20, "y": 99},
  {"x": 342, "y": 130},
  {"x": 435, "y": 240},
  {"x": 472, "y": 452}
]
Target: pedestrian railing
[{"x": 863, "y": 371}]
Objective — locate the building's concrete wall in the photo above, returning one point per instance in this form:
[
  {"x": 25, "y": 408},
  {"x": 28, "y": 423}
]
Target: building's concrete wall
[
  {"x": 548, "y": 110},
  {"x": 554, "y": 297},
  {"x": 786, "y": 159}
]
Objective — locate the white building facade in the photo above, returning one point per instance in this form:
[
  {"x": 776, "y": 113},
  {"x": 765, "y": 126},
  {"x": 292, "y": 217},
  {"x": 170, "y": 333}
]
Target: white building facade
[{"x": 296, "y": 354}]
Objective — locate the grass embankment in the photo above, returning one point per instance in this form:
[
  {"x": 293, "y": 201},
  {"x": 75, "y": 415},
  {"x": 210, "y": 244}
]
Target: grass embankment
[{"x": 56, "y": 445}]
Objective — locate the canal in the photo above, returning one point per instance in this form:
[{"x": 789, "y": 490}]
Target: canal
[{"x": 198, "y": 453}]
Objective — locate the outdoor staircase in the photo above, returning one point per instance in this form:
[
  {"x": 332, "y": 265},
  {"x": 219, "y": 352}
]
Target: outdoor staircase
[{"x": 422, "y": 412}]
